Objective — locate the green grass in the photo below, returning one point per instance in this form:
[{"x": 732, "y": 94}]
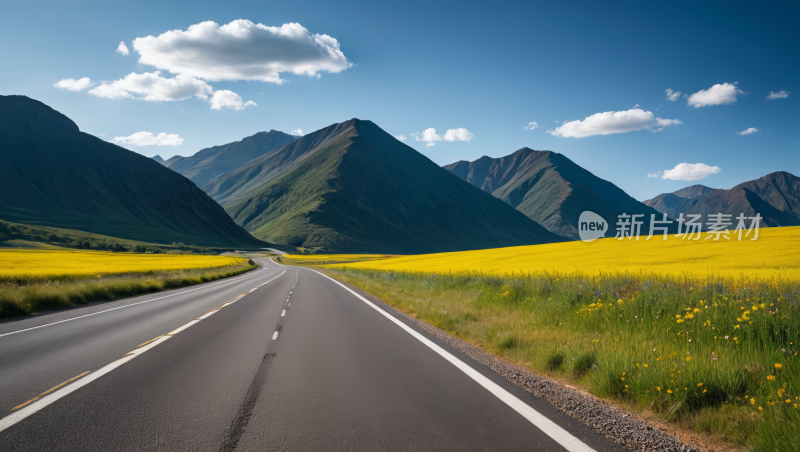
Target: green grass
[
  {"x": 620, "y": 338},
  {"x": 25, "y": 299}
]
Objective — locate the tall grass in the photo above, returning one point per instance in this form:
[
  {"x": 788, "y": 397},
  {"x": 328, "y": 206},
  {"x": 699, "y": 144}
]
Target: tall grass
[
  {"x": 714, "y": 355},
  {"x": 29, "y": 298}
]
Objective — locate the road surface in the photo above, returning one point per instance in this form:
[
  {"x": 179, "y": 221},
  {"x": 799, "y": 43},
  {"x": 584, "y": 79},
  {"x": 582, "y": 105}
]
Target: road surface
[{"x": 292, "y": 361}]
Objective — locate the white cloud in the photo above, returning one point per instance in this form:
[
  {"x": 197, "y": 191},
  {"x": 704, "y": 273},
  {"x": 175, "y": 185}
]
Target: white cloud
[
  {"x": 690, "y": 171},
  {"x": 148, "y": 139},
  {"x": 122, "y": 48},
  {"x": 779, "y": 95},
  {"x": 654, "y": 175},
  {"x": 153, "y": 87},
  {"x": 428, "y": 135},
  {"x": 75, "y": 85},
  {"x": 532, "y": 125},
  {"x": 748, "y": 131},
  {"x": 229, "y": 99},
  {"x": 242, "y": 50},
  {"x": 460, "y": 134},
  {"x": 672, "y": 95},
  {"x": 611, "y": 122},
  {"x": 400, "y": 137},
  {"x": 724, "y": 94},
  {"x": 636, "y": 106},
  {"x": 297, "y": 132}
]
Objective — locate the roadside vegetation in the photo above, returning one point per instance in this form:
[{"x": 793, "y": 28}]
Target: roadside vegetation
[{"x": 36, "y": 280}]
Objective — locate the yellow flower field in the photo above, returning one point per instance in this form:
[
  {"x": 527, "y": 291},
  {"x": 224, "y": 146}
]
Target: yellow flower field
[
  {"x": 775, "y": 253},
  {"x": 67, "y": 264}
]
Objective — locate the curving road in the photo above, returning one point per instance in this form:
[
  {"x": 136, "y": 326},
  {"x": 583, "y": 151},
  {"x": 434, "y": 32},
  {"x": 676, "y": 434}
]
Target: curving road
[{"x": 292, "y": 361}]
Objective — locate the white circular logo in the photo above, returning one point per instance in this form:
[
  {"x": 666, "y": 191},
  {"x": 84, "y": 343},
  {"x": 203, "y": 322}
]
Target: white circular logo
[{"x": 591, "y": 226}]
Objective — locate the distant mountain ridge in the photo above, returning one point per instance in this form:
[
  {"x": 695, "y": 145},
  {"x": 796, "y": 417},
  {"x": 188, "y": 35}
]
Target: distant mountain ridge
[
  {"x": 209, "y": 163},
  {"x": 776, "y": 197},
  {"x": 550, "y": 189},
  {"x": 353, "y": 187},
  {"x": 53, "y": 174}
]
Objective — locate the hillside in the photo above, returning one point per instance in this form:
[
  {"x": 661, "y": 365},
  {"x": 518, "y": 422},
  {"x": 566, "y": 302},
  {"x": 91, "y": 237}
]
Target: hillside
[
  {"x": 158, "y": 159},
  {"x": 353, "y": 187},
  {"x": 550, "y": 189},
  {"x": 670, "y": 203},
  {"x": 211, "y": 162},
  {"x": 776, "y": 197},
  {"x": 52, "y": 174}
]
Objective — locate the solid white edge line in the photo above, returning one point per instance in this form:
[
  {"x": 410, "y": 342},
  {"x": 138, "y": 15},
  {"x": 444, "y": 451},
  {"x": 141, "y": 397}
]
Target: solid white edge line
[
  {"x": 548, "y": 427},
  {"x": 17, "y": 416},
  {"x": 275, "y": 336},
  {"x": 137, "y": 303}
]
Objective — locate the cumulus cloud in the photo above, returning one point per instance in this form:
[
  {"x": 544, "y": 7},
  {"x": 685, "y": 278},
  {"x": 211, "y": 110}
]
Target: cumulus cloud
[
  {"x": 400, "y": 137},
  {"x": 672, "y": 95},
  {"x": 779, "y": 95},
  {"x": 460, "y": 134},
  {"x": 297, "y": 132},
  {"x": 748, "y": 131},
  {"x": 122, "y": 48},
  {"x": 611, "y": 122},
  {"x": 152, "y": 86},
  {"x": 148, "y": 139},
  {"x": 242, "y": 50},
  {"x": 229, "y": 99},
  {"x": 531, "y": 126},
  {"x": 689, "y": 172},
  {"x": 428, "y": 135},
  {"x": 724, "y": 94},
  {"x": 654, "y": 175},
  {"x": 75, "y": 85}
]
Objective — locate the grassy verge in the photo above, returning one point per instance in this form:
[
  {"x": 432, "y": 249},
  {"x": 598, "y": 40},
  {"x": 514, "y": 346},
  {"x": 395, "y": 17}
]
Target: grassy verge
[
  {"x": 716, "y": 356},
  {"x": 29, "y": 298}
]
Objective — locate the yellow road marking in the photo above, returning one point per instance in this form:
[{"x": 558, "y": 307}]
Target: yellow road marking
[
  {"x": 151, "y": 340},
  {"x": 47, "y": 392}
]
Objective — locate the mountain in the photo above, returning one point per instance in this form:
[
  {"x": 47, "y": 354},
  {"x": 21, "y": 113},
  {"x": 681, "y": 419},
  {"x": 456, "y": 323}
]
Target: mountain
[
  {"x": 550, "y": 189},
  {"x": 353, "y": 187},
  {"x": 776, "y": 197},
  {"x": 52, "y": 174},
  {"x": 211, "y": 162},
  {"x": 158, "y": 159}
]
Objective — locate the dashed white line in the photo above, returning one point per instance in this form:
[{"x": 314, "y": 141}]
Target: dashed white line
[
  {"x": 283, "y": 314},
  {"x": 275, "y": 336}
]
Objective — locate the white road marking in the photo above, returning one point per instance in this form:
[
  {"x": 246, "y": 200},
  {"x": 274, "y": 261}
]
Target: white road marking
[
  {"x": 178, "y": 330},
  {"x": 208, "y": 314},
  {"x": 548, "y": 427},
  {"x": 17, "y": 416},
  {"x": 134, "y": 304},
  {"x": 23, "y": 413},
  {"x": 283, "y": 314},
  {"x": 289, "y": 305}
]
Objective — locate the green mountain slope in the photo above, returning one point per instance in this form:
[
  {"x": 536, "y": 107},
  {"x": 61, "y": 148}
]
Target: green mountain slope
[
  {"x": 211, "y": 162},
  {"x": 52, "y": 174},
  {"x": 551, "y": 189},
  {"x": 353, "y": 187}
]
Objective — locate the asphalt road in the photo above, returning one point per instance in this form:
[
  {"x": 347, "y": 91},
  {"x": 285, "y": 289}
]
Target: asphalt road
[{"x": 299, "y": 362}]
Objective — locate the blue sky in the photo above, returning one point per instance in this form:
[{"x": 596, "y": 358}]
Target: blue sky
[{"x": 489, "y": 68}]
